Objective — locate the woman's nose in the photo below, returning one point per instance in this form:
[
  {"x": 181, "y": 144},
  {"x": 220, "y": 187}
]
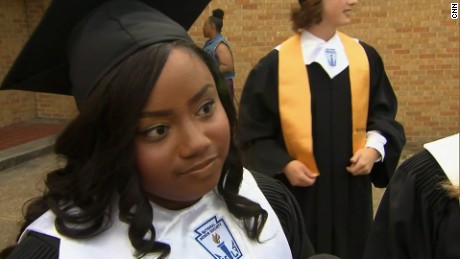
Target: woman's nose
[{"x": 193, "y": 140}]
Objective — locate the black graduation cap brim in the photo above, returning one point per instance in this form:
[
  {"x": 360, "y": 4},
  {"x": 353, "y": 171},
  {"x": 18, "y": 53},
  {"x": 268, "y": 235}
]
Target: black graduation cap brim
[{"x": 42, "y": 64}]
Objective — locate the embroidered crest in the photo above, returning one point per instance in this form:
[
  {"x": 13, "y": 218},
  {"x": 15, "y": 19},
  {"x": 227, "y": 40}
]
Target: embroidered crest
[
  {"x": 331, "y": 56},
  {"x": 216, "y": 238}
]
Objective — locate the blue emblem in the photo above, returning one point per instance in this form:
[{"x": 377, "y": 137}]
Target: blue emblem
[
  {"x": 216, "y": 238},
  {"x": 331, "y": 56}
]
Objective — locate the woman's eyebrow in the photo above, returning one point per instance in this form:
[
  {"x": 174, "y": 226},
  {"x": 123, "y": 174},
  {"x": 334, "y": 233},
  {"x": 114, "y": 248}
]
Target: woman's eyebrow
[
  {"x": 169, "y": 112},
  {"x": 200, "y": 94}
]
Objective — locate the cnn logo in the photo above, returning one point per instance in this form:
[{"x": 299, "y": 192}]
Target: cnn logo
[{"x": 454, "y": 11}]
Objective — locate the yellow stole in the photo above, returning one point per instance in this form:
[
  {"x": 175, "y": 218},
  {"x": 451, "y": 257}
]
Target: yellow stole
[{"x": 295, "y": 100}]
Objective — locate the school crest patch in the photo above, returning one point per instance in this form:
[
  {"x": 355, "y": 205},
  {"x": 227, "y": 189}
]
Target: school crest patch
[
  {"x": 216, "y": 238},
  {"x": 331, "y": 56}
]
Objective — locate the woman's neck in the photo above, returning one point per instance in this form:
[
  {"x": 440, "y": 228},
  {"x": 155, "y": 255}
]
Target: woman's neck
[
  {"x": 213, "y": 35},
  {"x": 322, "y": 31}
]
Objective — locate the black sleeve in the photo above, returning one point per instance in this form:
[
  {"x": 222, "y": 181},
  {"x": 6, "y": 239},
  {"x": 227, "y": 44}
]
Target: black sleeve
[
  {"x": 37, "y": 246},
  {"x": 289, "y": 214},
  {"x": 259, "y": 131},
  {"x": 383, "y": 107}
]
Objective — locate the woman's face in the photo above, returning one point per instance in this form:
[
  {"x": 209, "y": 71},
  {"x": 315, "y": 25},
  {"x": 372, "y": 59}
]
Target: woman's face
[
  {"x": 207, "y": 29},
  {"x": 185, "y": 133},
  {"x": 337, "y": 12}
]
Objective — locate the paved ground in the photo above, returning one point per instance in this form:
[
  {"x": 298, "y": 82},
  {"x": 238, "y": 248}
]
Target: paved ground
[
  {"x": 24, "y": 141},
  {"x": 18, "y": 184}
]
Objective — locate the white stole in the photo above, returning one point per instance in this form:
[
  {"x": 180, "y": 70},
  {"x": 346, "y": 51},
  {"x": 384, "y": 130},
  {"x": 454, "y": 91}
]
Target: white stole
[{"x": 203, "y": 230}]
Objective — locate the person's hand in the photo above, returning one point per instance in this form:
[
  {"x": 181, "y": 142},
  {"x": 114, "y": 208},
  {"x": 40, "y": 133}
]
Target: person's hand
[
  {"x": 298, "y": 174},
  {"x": 363, "y": 161}
]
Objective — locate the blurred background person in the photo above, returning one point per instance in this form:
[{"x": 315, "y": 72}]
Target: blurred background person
[
  {"x": 218, "y": 47},
  {"x": 318, "y": 112},
  {"x": 419, "y": 214}
]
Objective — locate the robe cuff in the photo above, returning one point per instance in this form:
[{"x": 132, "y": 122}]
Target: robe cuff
[{"x": 376, "y": 141}]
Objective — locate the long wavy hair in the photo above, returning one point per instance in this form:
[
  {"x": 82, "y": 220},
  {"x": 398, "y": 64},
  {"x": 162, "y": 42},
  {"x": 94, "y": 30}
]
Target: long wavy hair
[
  {"x": 101, "y": 175},
  {"x": 309, "y": 13}
]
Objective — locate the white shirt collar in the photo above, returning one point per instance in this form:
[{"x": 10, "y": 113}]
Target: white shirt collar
[{"x": 329, "y": 54}]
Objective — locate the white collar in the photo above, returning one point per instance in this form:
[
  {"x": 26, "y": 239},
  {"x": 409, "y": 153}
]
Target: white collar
[
  {"x": 329, "y": 54},
  {"x": 446, "y": 152},
  {"x": 164, "y": 217}
]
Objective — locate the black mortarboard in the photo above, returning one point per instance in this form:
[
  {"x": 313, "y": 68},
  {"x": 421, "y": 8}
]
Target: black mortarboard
[{"x": 78, "y": 41}]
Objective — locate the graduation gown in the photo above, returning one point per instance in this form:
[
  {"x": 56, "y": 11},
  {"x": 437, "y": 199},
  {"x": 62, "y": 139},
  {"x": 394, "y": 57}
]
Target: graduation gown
[
  {"x": 416, "y": 219},
  {"x": 337, "y": 209}
]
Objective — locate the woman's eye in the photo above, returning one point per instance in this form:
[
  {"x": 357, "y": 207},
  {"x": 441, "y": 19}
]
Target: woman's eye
[
  {"x": 206, "y": 108},
  {"x": 156, "y": 132}
]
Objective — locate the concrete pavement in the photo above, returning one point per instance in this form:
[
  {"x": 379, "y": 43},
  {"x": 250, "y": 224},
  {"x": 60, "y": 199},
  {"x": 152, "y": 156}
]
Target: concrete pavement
[{"x": 19, "y": 184}]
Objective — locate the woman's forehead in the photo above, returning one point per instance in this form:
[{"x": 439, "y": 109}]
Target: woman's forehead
[{"x": 183, "y": 76}]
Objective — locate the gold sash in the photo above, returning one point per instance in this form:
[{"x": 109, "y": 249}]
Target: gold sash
[{"x": 295, "y": 100}]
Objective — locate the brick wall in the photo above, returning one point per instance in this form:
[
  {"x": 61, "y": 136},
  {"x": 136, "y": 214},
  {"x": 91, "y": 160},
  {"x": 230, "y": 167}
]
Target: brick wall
[
  {"x": 17, "y": 20},
  {"x": 14, "y": 106},
  {"x": 417, "y": 40},
  {"x": 419, "y": 44},
  {"x": 49, "y": 106},
  {"x": 252, "y": 27},
  {"x": 52, "y": 106}
]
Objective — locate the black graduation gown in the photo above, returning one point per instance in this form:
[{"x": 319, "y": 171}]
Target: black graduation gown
[
  {"x": 289, "y": 215},
  {"x": 338, "y": 207},
  {"x": 416, "y": 219},
  {"x": 36, "y": 245}
]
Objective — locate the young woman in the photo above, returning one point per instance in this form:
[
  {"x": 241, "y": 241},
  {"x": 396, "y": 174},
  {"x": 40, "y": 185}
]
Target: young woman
[
  {"x": 151, "y": 168},
  {"x": 319, "y": 113},
  {"x": 218, "y": 47}
]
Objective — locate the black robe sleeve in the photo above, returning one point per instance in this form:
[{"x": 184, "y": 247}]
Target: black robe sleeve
[
  {"x": 416, "y": 218},
  {"x": 289, "y": 214},
  {"x": 36, "y": 245},
  {"x": 259, "y": 130},
  {"x": 383, "y": 106}
]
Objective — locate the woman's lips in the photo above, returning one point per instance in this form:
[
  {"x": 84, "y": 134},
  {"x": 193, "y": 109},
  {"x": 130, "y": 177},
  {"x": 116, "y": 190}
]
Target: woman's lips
[{"x": 200, "y": 167}]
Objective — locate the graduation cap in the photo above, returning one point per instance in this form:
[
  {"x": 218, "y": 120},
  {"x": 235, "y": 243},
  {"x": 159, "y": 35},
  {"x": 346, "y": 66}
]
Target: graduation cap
[{"x": 77, "y": 42}]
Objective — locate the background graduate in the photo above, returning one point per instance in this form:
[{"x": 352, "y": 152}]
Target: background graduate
[
  {"x": 319, "y": 113},
  {"x": 150, "y": 166},
  {"x": 419, "y": 214}
]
